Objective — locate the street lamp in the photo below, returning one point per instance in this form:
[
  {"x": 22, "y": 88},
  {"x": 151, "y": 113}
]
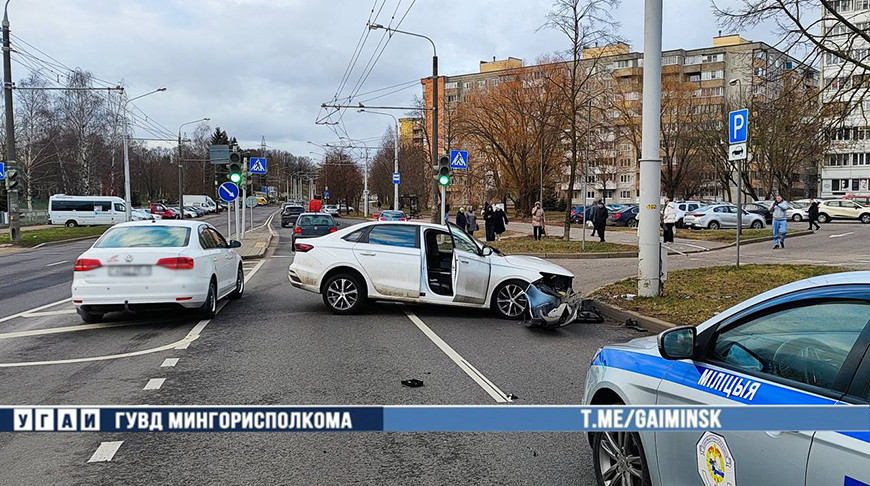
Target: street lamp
[
  {"x": 395, "y": 154},
  {"x": 127, "y": 200},
  {"x": 180, "y": 168},
  {"x": 434, "y": 143}
]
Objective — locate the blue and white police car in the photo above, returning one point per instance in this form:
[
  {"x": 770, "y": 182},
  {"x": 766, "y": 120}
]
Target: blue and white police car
[{"x": 803, "y": 343}]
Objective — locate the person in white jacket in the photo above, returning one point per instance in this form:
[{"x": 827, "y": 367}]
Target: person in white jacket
[{"x": 669, "y": 218}]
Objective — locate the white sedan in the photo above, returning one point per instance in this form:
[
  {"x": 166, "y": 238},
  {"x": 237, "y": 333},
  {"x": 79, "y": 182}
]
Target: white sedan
[
  {"x": 145, "y": 265},
  {"x": 433, "y": 264}
]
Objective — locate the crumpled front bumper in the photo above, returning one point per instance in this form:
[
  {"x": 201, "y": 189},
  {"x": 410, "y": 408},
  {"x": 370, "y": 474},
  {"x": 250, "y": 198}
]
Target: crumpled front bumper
[{"x": 550, "y": 311}]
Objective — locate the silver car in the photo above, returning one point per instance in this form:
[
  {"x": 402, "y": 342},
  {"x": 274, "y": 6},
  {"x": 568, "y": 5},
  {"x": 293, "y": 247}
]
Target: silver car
[
  {"x": 719, "y": 216},
  {"x": 805, "y": 343}
]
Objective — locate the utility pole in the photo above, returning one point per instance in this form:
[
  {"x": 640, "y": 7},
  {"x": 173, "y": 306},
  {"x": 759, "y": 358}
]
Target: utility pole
[
  {"x": 586, "y": 171},
  {"x": 181, "y": 167},
  {"x": 650, "y": 254},
  {"x": 12, "y": 195}
]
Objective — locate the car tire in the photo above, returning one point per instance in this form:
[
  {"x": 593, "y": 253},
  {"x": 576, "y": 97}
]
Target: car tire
[
  {"x": 209, "y": 307},
  {"x": 71, "y": 223},
  {"x": 509, "y": 300},
  {"x": 756, "y": 225},
  {"x": 714, "y": 225},
  {"x": 628, "y": 459},
  {"x": 240, "y": 285},
  {"x": 344, "y": 294},
  {"x": 865, "y": 218},
  {"x": 824, "y": 218},
  {"x": 797, "y": 218},
  {"x": 90, "y": 317},
  {"x": 632, "y": 223}
]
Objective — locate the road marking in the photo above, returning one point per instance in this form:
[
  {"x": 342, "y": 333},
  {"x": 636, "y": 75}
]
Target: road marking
[
  {"x": 57, "y": 330},
  {"x": 49, "y": 313},
  {"x": 30, "y": 311},
  {"x": 154, "y": 384},
  {"x": 57, "y": 263},
  {"x": 471, "y": 371},
  {"x": 282, "y": 256},
  {"x": 106, "y": 451},
  {"x": 695, "y": 246},
  {"x": 169, "y": 362},
  {"x": 842, "y": 235},
  {"x": 183, "y": 346}
]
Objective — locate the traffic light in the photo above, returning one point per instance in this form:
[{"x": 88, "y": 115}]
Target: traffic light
[
  {"x": 12, "y": 180},
  {"x": 445, "y": 173},
  {"x": 234, "y": 168}
]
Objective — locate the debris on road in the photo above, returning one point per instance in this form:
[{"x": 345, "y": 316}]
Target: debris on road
[{"x": 412, "y": 383}]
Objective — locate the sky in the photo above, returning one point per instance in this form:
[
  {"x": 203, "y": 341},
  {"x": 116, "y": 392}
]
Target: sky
[{"x": 261, "y": 68}]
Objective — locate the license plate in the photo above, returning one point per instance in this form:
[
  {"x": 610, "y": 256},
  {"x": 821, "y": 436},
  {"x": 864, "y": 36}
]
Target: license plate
[{"x": 130, "y": 271}]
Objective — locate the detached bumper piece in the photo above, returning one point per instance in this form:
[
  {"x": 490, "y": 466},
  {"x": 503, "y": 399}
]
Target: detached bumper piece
[{"x": 553, "y": 304}]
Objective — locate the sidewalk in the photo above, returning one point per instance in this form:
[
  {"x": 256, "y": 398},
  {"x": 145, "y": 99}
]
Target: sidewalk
[
  {"x": 5, "y": 230},
  {"x": 255, "y": 243}
]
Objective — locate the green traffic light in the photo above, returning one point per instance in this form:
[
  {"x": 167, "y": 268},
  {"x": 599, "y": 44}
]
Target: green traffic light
[
  {"x": 236, "y": 178},
  {"x": 444, "y": 180}
]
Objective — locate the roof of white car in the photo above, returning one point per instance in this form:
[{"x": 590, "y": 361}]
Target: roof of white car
[{"x": 162, "y": 222}]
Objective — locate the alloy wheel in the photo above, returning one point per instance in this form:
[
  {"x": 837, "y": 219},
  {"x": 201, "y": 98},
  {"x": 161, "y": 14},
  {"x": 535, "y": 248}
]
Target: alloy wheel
[
  {"x": 511, "y": 300},
  {"x": 342, "y": 293},
  {"x": 619, "y": 458}
]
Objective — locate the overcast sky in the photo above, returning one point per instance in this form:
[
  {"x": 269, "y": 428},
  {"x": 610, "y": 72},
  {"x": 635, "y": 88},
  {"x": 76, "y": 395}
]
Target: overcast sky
[{"x": 263, "y": 67}]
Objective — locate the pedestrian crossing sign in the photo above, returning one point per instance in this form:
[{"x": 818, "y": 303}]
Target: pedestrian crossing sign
[
  {"x": 459, "y": 159},
  {"x": 258, "y": 165}
]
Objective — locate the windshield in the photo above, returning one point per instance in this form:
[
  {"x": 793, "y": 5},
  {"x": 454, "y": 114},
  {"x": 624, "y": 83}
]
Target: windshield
[
  {"x": 144, "y": 236},
  {"x": 319, "y": 220}
]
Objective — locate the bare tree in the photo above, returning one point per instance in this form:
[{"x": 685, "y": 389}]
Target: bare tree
[
  {"x": 83, "y": 123},
  {"x": 36, "y": 150}
]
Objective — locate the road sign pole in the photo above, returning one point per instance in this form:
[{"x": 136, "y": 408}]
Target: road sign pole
[
  {"x": 443, "y": 204},
  {"x": 739, "y": 207},
  {"x": 229, "y": 227},
  {"x": 244, "y": 197}
]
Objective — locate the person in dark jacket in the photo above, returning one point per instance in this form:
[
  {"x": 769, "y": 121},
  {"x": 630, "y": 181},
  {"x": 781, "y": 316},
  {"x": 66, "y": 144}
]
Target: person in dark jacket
[
  {"x": 489, "y": 222},
  {"x": 460, "y": 219},
  {"x": 501, "y": 220},
  {"x": 813, "y": 212},
  {"x": 599, "y": 219}
]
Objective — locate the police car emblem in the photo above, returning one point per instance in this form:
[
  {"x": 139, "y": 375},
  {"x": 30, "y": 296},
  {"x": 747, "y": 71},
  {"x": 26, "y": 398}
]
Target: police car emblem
[{"x": 715, "y": 462}]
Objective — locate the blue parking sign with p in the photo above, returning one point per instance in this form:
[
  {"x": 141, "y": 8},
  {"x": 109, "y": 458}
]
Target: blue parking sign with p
[
  {"x": 738, "y": 126},
  {"x": 2, "y": 170}
]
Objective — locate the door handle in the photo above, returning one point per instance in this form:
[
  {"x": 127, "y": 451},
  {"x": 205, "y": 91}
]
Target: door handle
[
  {"x": 464, "y": 261},
  {"x": 365, "y": 253}
]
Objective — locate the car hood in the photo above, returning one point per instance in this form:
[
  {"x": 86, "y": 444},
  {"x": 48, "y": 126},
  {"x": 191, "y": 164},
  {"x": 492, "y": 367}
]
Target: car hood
[{"x": 530, "y": 263}]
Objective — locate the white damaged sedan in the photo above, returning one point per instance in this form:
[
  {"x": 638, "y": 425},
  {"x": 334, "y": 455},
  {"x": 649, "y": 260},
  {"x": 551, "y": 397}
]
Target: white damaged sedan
[{"x": 433, "y": 264}]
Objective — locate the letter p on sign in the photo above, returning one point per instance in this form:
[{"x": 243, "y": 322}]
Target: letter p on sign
[{"x": 738, "y": 129}]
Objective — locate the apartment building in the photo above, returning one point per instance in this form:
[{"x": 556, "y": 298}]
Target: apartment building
[
  {"x": 845, "y": 168},
  {"x": 613, "y": 169}
]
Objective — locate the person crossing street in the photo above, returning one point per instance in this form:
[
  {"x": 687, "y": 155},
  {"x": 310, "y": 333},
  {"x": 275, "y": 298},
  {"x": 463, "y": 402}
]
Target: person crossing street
[{"x": 779, "y": 209}]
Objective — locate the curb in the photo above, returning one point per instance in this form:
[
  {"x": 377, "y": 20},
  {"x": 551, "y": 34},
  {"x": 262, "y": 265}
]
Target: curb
[
  {"x": 762, "y": 240},
  {"x": 621, "y": 315},
  {"x": 577, "y": 256},
  {"x": 60, "y": 242}
]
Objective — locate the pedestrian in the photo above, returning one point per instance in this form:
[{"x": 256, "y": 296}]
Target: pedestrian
[
  {"x": 501, "y": 220},
  {"x": 539, "y": 221},
  {"x": 489, "y": 221},
  {"x": 460, "y": 219},
  {"x": 669, "y": 218},
  {"x": 813, "y": 213},
  {"x": 599, "y": 219},
  {"x": 471, "y": 221},
  {"x": 779, "y": 209}
]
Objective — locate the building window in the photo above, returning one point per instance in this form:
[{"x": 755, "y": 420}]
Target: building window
[
  {"x": 493, "y": 82},
  {"x": 710, "y": 75},
  {"x": 710, "y": 92},
  {"x": 451, "y": 98},
  {"x": 481, "y": 83},
  {"x": 693, "y": 60},
  {"x": 713, "y": 58},
  {"x": 841, "y": 5},
  {"x": 625, "y": 194},
  {"x": 670, "y": 60},
  {"x": 590, "y": 195},
  {"x": 451, "y": 85},
  {"x": 625, "y": 178},
  {"x": 590, "y": 179},
  {"x": 466, "y": 85}
]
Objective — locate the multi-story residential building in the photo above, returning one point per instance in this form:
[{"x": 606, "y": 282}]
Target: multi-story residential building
[
  {"x": 845, "y": 168},
  {"x": 411, "y": 131},
  {"x": 615, "y": 148}
]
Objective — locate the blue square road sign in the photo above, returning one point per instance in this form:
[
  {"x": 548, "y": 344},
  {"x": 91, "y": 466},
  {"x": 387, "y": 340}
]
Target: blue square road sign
[
  {"x": 459, "y": 159},
  {"x": 738, "y": 126},
  {"x": 2, "y": 171},
  {"x": 258, "y": 165}
]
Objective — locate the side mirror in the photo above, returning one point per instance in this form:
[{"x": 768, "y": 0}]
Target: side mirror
[
  {"x": 486, "y": 251},
  {"x": 235, "y": 244},
  {"x": 677, "y": 343}
]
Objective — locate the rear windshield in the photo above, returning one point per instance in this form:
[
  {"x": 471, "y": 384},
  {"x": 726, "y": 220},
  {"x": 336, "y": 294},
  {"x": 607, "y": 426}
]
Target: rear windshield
[
  {"x": 293, "y": 209},
  {"x": 319, "y": 220},
  {"x": 144, "y": 237}
]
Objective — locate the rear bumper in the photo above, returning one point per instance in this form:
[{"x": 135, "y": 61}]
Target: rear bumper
[
  {"x": 90, "y": 295},
  {"x": 303, "y": 282},
  {"x": 549, "y": 311}
]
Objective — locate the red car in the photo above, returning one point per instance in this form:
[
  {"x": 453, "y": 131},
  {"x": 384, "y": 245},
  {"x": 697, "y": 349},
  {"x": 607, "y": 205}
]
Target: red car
[{"x": 163, "y": 211}]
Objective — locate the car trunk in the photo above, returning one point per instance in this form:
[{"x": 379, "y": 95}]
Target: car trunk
[{"x": 127, "y": 264}]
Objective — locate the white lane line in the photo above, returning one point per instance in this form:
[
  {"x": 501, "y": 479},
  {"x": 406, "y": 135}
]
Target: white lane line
[
  {"x": 57, "y": 263},
  {"x": 183, "y": 346},
  {"x": 282, "y": 256},
  {"x": 30, "y": 311},
  {"x": 488, "y": 386},
  {"x": 695, "y": 246},
  {"x": 49, "y": 313},
  {"x": 106, "y": 451},
  {"x": 58, "y": 330},
  {"x": 154, "y": 384},
  {"x": 842, "y": 235},
  {"x": 169, "y": 362}
]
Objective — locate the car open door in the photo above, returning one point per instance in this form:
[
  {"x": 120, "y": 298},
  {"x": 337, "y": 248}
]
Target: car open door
[{"x": 470, "y": 269}]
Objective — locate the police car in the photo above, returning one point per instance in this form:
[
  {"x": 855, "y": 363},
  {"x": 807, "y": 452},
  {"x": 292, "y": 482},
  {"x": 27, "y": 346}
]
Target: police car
[{"x": 805, "y": 343}]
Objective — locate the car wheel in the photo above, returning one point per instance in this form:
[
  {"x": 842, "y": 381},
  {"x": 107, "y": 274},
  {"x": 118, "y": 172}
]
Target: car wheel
[
  {"x": 865, "y": 218},
  {"x": 209, "y": 307},
  {"x": 618, "y": 458},
  {"x": 90, "y": 317},
  {"x": 240, "y": 285},
  {"x": 632, "y": 223},
  {"x": 756, "y": 225},
  {"x": 824, "y": 218},
  {"x": 509, "y": 300},
  {"x": 797, "y": 218},
  {"x": 714, "y": 225},
  {"x": 344, "y": 294},
  {"x": 71, "y": 223},
  {"x": 293, "y": 244}
]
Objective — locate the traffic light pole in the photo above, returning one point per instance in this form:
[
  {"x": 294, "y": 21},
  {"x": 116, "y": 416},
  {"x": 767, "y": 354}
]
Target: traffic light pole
[
  {"x": 443, "y": 204},
  {"x": 12, "y": 193}
]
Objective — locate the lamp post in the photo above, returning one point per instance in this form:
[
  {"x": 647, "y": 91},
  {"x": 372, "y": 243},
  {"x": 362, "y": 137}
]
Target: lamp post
[
  {"x": 434, "y": 143},
  {"x": 395, "y": 154},
  {"x": 127, "y": 200},
  {"x": 181, "y": 168}
]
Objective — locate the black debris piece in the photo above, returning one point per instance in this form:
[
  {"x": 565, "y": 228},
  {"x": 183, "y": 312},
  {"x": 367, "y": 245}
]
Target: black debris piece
[{"x": 412, "y": 383}]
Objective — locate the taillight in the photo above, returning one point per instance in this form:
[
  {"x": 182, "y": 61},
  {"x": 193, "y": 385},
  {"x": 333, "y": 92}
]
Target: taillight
[
  {"x": 297, "y": 230},
  {"x": 302, "y": 247},
  {"x": 382, "y": 219},
  {"x": 617, "y": 216},
  {"x": 179, "y": 263},
  {"x": 402, "y": 219},
  {"x": 698, "y": 215},
  {"x": 332, "y": 230},
  {"x": 86, "y": 264}
]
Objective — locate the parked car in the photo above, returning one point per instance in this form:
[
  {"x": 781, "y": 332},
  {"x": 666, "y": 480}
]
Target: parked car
[
  {"x": 188, "y": 213},
  {"x": 147, "y": 265},
  {"x": 163, "y": 211},
  {"x": 200, "y": 212},
  {"x": 686, "y": 207},
  {"x": 430, "y": 263},
  {"x": 796, "y": 210},
  {"x": 863, "y": 200},
  {"x": 289, "y": 213},
  {"x": 626, "y": 216},
  {"x": 344, "y": 208},
  {"x": 331, "y": 209},
  {"x": 578, "y": 216},
  {"x": 199, "y": 201},
  {"x": 760, "y": 209},
  {"x": 390, "y": 215},
  {"x": 799, "y": 344},
  {"x": 142, "y": 215},
  {"x": 312, "y": 225},
  {"x": 719, "y": 216},
  {"x": 843, "y": 209}
]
